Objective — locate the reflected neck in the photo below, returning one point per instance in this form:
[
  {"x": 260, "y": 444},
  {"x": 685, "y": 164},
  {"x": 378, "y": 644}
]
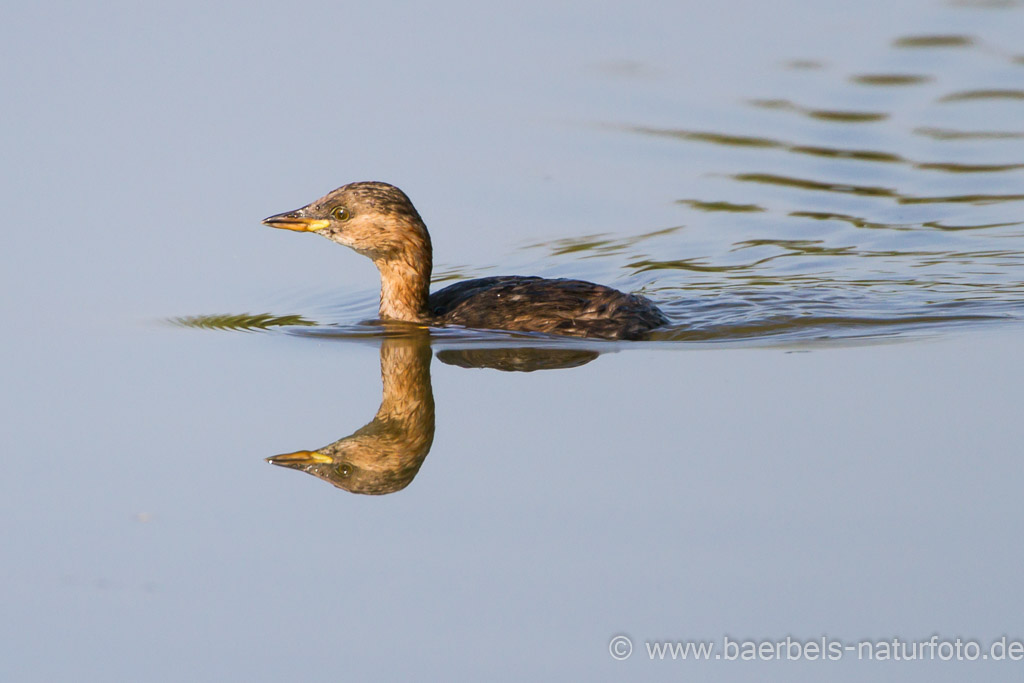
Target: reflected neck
[{"x": 405, "y": 379}]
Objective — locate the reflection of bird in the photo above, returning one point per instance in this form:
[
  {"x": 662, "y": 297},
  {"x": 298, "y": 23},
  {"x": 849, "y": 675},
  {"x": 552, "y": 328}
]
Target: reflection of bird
[
  {"x": 378, "y": 221},
  {"x": 385, "y": 455},
  {"x": 517, "y": 359}
]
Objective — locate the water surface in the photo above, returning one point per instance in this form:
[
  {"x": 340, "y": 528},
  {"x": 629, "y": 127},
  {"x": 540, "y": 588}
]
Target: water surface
[{"x": 826, "y": 201}]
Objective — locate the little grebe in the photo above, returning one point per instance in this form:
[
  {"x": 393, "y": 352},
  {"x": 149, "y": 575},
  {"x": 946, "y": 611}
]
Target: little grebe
[{"x": 378, "y": 221}]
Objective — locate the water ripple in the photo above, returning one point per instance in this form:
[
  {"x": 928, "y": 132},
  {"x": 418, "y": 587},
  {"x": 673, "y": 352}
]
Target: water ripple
[
  {"x": 932, "y": 41},
  {"x": 987, "y": 94},
  {"x": 950, "y": 134},
  {"x": 241, "y": 322},
  {"x": 872, "y": 155},
  {"x": 873, "y": 191},
  {"x": 834, "y": 115},
  {"x": 888, "y": 80}
]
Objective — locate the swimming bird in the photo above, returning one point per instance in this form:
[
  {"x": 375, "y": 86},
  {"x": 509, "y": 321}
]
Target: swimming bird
[{"x": 379, "y": 221}]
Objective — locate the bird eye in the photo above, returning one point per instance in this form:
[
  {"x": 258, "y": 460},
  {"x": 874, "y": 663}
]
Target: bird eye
[
  {"x": 344, "y": 470},
  {"x": 340, "y": 213}
]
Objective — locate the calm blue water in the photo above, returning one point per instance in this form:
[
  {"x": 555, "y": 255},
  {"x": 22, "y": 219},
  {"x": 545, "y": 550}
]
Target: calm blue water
[{"x": 824, "y": 443}]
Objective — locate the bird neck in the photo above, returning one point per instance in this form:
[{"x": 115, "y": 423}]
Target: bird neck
[
  {"x": 405, "y": 264},
  {"x": 404, "y": 289}
]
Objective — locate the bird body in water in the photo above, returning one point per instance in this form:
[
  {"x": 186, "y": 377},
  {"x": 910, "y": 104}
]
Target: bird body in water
[{"x": 378, "y": 220}]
